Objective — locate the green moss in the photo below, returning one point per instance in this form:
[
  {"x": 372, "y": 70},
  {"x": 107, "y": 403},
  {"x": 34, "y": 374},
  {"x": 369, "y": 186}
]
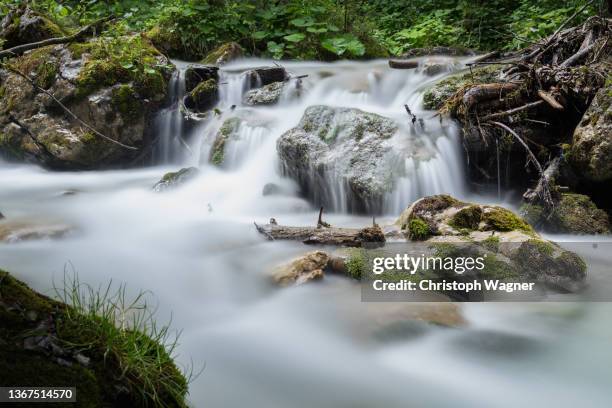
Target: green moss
[
  {"x": 127, "y": 102},
  {"x": 356, "y": 264},
  {"x": 467, "y": 218},
  {"x": 418, "y": 229},
  {"x": 109, "y": 61},
  {"x": 167, "y": 41},
  {"x": 497, "y": 269},
  {"x": 573, "y": 262},
  {"x": 501, "y": 219},
  {"x": 576, "y": 213},
  {"x": 491, "y": 243},
  {"x": 543, "y": 247},
  {"x": 227, "y": 129}
]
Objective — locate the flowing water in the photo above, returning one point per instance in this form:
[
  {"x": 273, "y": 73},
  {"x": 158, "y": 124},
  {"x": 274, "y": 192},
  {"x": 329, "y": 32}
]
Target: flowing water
[{"x": 196, "y": 250}]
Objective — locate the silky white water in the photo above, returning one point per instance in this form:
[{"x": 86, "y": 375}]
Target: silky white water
[{"x": 196, "y": 250}]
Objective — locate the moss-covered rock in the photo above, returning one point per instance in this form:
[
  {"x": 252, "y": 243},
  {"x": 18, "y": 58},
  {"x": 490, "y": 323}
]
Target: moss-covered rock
[
  {"x": 227, "y": 130},
  {"x": 266, "y": 95},
  {"x": 113, "y": 85},
  {"x": 513, "y": 249},
  {"x": 23, "y": 25},
  {"x": 591, "y": 151},
  {"x": 224, "y": 54},
  {"x": 47, "y": 343},
  {"x": 572, "y": 213},
  {"x": 203, "y": 97},
  {"x": 435, "y": 97},
  {"x": 195, "y": 74}
]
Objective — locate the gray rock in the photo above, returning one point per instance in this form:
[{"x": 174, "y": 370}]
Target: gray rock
[
  {"x": 266, "y": 95},
  {"x": 346, "y": 147},
  {"x": 263, "y": 76},
  {"x": 23, "y": 25}
]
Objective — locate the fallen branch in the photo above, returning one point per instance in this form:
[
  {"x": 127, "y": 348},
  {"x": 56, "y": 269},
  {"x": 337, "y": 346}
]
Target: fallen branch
[
  {"x": 351, "y": 237},
  {"x": 414, "y": 118},
  {"x": 577, "y": 56},
  {"x": 544, "y": 182},
  {"x": 512, "y": 111},
  {"x": 68, "y": 111},
  {"x": 549, "y": 99},
  {"x": 20, "y": 49},
  {"x": 544, "y": 190},
  {"x": 485, "y": 92}
]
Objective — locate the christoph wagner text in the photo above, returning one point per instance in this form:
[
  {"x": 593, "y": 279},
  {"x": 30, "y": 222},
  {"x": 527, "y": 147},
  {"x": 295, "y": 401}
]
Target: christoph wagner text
[{"x": 466, "y": 287}]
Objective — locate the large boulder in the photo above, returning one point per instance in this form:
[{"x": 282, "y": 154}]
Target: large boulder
[
  {"x": 22, "y": 25},
  {"x": 514, "y": 251},
  {"x": 344, "y": 147},
  {"x": 591, "y": 151},
  {"x": 97, "y": 86}
]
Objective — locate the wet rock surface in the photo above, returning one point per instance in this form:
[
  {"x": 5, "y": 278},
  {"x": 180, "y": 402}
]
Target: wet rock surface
[
  {"x": 345, "y": 145},
  {"x": 176, "y": 179}
]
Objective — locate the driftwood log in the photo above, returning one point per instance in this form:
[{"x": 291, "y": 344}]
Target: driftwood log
[{"x": 350, "y": 237}]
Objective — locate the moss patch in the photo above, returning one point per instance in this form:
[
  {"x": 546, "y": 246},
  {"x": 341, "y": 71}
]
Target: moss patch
[
  {"x": 223, "y": 54},
  {"x": 468, "y": 218},
  {"x": 501, "y": 219},
  {"x": 418, "y": 230},
  {"x": 356, "y": 264},
  {"x": 227, "y": 129},
  {"x": 127, "y": 102},
  {"x": 578, "y": 214}
]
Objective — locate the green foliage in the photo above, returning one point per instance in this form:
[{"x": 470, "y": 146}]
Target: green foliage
[
  {"x": 356, "y": 264},
  {"x": 468, "y": 218},
  {"x": 500, "y": 219}
]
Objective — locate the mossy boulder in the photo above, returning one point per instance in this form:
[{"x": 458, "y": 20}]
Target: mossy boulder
[
  {"x": 42, "y": 346},
  {"x": 572, "y": 213},
  {"x": 591, "y": 151},
  {"x": 334, "y": 146},
  {"x": 441, "y": 92},
  {"x": 223, "y": 54},
  {"x": 203, "y": 97},
  {"x": 113, "y": 85},
  {"x": 176, "y": 179},
  {"x": 23, "y": 25},
  {"x": 514, "y": 250}
]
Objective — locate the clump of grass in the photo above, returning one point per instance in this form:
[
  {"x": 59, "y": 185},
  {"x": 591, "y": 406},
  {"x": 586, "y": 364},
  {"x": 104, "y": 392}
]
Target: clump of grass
[
  {"x": 418, "y": 229},
  {"x": 124, "y": 342}
]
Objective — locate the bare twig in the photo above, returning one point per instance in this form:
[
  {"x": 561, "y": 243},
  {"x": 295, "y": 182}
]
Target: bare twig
[
  {"x": 512, "y": 111},
  {"x": 549, "y": 99}
]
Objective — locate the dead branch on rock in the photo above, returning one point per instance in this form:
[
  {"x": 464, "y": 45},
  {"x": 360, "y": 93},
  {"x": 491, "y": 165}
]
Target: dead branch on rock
[
  {"x": 485, "y": 92},
  {"x": 512, "y": 111},
  {"x": 64, "y": 107},
  {"x": 543, "y": 185},
  {"x": 20, "y": 49},
  {"x": 549, "y": 99}
]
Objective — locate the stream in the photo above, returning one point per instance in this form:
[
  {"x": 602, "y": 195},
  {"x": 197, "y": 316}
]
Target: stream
[{"x": 196, "y": 250}]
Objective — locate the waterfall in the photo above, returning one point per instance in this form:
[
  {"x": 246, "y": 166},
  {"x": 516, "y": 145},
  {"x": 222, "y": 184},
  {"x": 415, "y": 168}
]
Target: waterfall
[{"x": 250, "y": 148}]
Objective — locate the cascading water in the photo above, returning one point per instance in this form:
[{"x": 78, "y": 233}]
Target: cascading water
[
  {"x": 370, "y": 87},
  {"x": 196, "y": 250}
]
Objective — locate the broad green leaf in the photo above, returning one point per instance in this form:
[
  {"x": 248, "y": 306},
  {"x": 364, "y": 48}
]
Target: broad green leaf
[{"x": 294, "y": 38}]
